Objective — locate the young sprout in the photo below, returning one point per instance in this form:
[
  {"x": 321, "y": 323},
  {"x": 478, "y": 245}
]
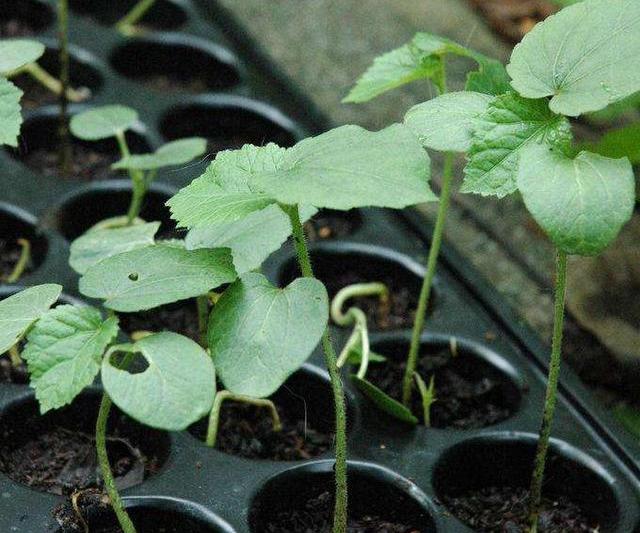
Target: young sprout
[
  {"x": 21, "y": 264},
  {"x": 428, "y": 396},
  {"x": 127, "y": 24}
]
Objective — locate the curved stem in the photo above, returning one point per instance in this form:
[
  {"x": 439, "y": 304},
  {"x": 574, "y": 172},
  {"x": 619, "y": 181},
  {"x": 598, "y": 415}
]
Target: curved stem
[
  {"x": 340, "y": 509},
  {"x": 126, "y": 24},
  {"x": 352, "y": 291},
  {"x": 359, "y": 336},
  {"x": 22, "y": 262},
  {"x": 103, "y": 460},
  {"x": 425, "y": 291},
  {"x": 137, "y": 181},
  {"x": 552, "y": 391},
  {"x": 222, "y": 396},
  {"x": 50, "y": 82}
]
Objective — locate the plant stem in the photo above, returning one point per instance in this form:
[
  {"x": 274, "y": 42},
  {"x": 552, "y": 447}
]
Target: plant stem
[
  {"x": 22, "y": 262},
  {"x": 203, "y": 318},
  {"x": 552, "y": 390},
  {"x": 214, "y": 416},
  {"x": 103, "y": 460},
  {"x": 126, "y": 24},
  {"x": 425, "y": 291},
  {"x": 137, "y": 181},
  {"x": 48, "y": 81},
  {"x": 63, "y": 126},
  {"x": 340, "y": 510},
  {"x": 14, "y": 355},
  {"x": 352, "y": 291}
]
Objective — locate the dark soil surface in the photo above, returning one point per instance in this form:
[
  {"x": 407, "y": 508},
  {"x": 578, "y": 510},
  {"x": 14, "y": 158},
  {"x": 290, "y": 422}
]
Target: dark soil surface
[
  {"x": 317, "y": 517},
  {"x": 88, "y": 164},
  {"x": 469, "y": 395},
  {"x": 247, "y": 431},
  {"x": 14, "y": 27},
  {"x": 179, "y": 318},
  {"x": 505, "y": 509},
  {"x": 174, "y": 84},
  {"x": 330, "y": 225},
  {"x": 10, "y": 252},
  {"x": 61, "y": 461},
  {"x": 13, "y": 374}
]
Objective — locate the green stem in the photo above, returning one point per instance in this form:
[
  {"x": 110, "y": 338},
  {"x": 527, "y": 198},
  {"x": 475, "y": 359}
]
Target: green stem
[
  {"x": 425, "y": 291},
  {"x": 126, "y": 24},
  {"x": 353, "y": 291},
  {"x": 22, "y": 262},
  {"x": 203, "y": 318},
  {"x": 137, "y": 181},
  {"x": 103, "y": 460},
  {"x": 340, "y": 510},
  {"x": 552, "y": 390},
  {"x": 48, "y": 81},
  {"x": 63, "y": 126},
  {"x": 222, "y": 396}
]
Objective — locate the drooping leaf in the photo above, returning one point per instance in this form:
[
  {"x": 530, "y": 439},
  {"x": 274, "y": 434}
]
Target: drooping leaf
[
  {"x": 19, "y": 311},
  {"x": 251, "y": 239},
  {"x": 384, "y": 402},
  {"x": 585, "y": 57},
  {"x": 260, "y": 334},
  {"x": 103, "y": 122},
  {"x": 171, "y": 154},
  {"x": 447, "y": 122},
  {"x": 174, "y": 391},
  {"x": 156, "y": 275},
  {"x": 509, "y": 128},
  {"x": 64, "y": 352},
  {"x": 98, "y": 244},
  {"x": 225, "y": 192},
  {"x": 621, "y": 142},
  {"x": 10, "y": 116},
  {"x": 581, "y": 203},
  {"x": 351, "y": 167},
  {"x": 355, "y": 356},
  {"x": 490, "y": 78},
  {"x": 17, "y": 53}
]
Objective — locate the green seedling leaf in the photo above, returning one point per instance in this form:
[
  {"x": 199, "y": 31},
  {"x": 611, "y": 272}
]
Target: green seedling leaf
[
  {"x": 351, "y": 167},
  {"x": 17, "y": 53},
  {"x": 629, "y": 417},
  {"x": 585, "y": 57},
  {"x": 384, "y": 402},
  {"x": 171, "y": 154},
  {"x": 621, "y": 142},
  {"x": 156, "y": 275},
  {"x": 64, "y": 351},
  {"x": 225, "y": 192},
  {"x": 100, "y": 243},
  {"x": 19, "y": 311},
  {"x": 10, "y": 116},
  {"x": 446, "y": 123},
  {"x": 491, "y": 77},
  {"x": 260, "y": 334},
  {"x": 581, "y": 203},
  {"x": 510, "y": 127},
  {"x": 103, "y": 122},
  {"x": 355, "y": 356},
  {"x": 174, "y": 391},
  {"x": 251, "y": 239}
]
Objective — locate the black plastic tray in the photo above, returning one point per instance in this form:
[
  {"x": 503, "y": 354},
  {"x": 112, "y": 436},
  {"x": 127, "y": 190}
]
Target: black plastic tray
[{"x": 391, "y": 464}]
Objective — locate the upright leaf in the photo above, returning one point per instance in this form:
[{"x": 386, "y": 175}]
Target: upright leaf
[
  {"x": 19, "y": 311},
  {"x": 174, "y": 391},
  {"x": 585, "y": 57},
  {"x": 10, "y": 116},
  {"x": 260, "y": 334},
  {"x": 103, "y": 122},
  {"x": 509, "y": 128},
  {"x": 171, "y": 154},
  {"x": 581, "y": 203},
  {"x": 156, "y": 275},
  {"x": 64, "y": 351},
  {"x": 17, "y": 53}
]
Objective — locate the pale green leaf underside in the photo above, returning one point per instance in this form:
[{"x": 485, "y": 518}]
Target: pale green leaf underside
[
  {"x": 251, "y": 239},
  {"x": 384, "y": 402},
  {"x": 446, "y": 122},
  {"x": 19, "y": 311},
  {"x": 585, "y": 57},
  {"x": 175, "y": 390},
  {"x": 510, "y": 127},
  {"x": 103, "y": 122},
  {"x": 16, "y": 53},
  {"x": 260, "y": 334},
  {"x": 98, "y": 244},
  {"x": 10, "y": 116},
  {"x": 156, "y": 275},
  {"x": 171, "y": 154},
  {"x": 351, "y": 167},
  {"x": 581, "y": 203},
  {"x": 64, "y": 351}
]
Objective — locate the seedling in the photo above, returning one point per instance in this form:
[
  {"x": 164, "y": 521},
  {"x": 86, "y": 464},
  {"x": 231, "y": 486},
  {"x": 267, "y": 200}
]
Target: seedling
[{"x": 127, "y": 24}]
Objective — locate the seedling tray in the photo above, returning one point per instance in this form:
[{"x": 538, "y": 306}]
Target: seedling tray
[{"x": 392, "y": 466}]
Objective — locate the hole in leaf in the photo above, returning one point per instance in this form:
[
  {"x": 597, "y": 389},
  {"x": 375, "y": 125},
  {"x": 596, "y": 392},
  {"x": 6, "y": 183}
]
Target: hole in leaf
[
  {"x": 132, "y": 362},
  {"x": 133, "y": 276}
]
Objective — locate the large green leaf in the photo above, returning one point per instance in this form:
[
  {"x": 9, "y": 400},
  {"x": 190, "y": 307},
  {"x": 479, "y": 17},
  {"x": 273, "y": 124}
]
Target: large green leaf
[
  {"x": 16, "y": 53},
  {"x": 384, "y": 402},
  {"x": 509, "y": 128},
  {"x": 19, "y": 311},
  {"x": 490, "y": 78},
  {"x": 581, "y": 203},
  {"x": 64, "y": 351},
  {"x": 10, "y": 116},
  {"x": 447, "y": 122},
  {"x": 103, "y": 122},
  {"x": 585, "y": 57},
  {"x": 351, "y": 167},
  {"x": 174, "y": 391},
  {"x": 225, "y": 192},
  {"x": 251, "y": 239},
  {"x": 156, "y": 275},
  {"x": 171, "y": 154},
  {"x": 621, "y": 142},
  {"x": 98, "y": 244},
  {"x": 260, "y": 334}
]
